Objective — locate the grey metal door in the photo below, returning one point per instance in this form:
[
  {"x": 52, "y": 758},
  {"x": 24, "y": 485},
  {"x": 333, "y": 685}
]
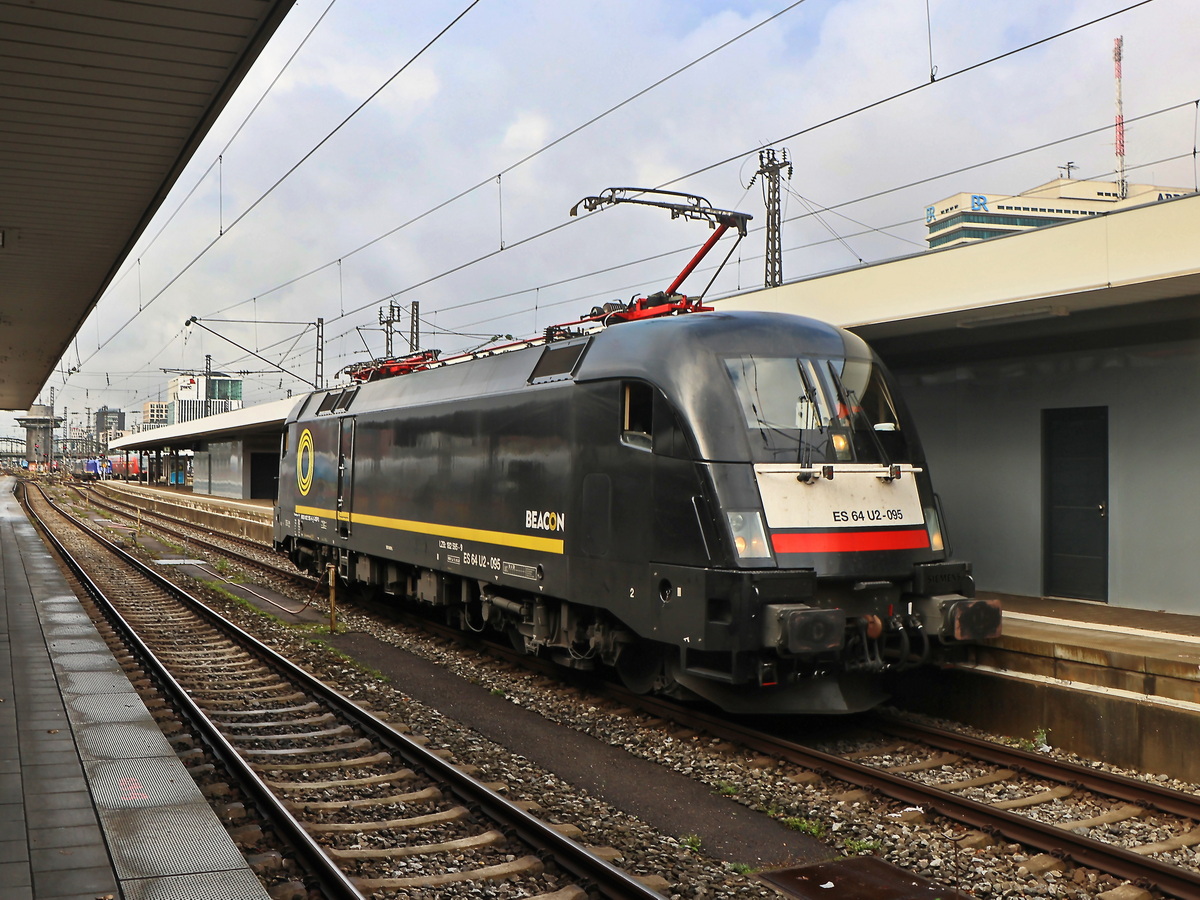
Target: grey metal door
[
  {"x": 1075, "y": 502},
  {"x": 345, "y": 479}
]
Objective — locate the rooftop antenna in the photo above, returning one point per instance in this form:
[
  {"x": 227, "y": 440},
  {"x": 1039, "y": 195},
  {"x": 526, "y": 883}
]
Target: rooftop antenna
[
  {"x": 1122, "y": 187},
  {"x": 1067, "y": 169}
]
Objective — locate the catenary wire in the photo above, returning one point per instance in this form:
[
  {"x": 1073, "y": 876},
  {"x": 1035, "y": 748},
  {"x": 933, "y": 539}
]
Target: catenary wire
[
  {"x": 832, "y": 208},
  {"x": 585, "y": 298},
  {"x": 525, "y": 159},
  {"x": 838, "y": 118},
  {"x": 225, "y": 149},
  {"x": 911, "y": 90},
  {"x": 445, "y": 203},
  {"x": 564, "y": 137},
  {"x": 541, "y": 234},
  {"x": 282, "y": 178}
]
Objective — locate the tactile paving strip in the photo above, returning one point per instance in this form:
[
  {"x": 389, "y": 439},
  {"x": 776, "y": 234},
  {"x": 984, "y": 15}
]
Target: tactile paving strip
[
  {"x": 92, "y": 682},
  {"x": 57, "y": 632},
  {"x": 177, "y": 840},
  {"x": 107, "y": 708},
  {"x": 68, "y": 618},
  {"x": 227, "y": 885},
  {"x": 124, "y": 740},
  {"x": 78, "y": 645},
  {"x": 60, "y": 602},
  {"x": 88, "y": 662},
  {"x": 140, "y": 783}
]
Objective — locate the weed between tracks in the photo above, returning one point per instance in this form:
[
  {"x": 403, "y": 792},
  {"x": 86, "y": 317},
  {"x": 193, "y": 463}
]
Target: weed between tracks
[
  {"x": 218, "y": 588},
  {"x": 349, "y": 661},
  {"x": 811, "y": 827}
]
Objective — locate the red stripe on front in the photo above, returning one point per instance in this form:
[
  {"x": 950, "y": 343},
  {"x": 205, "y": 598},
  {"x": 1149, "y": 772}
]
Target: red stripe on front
[{"x": 851, "y": 541}]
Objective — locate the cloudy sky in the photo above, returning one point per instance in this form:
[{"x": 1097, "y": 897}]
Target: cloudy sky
[{"x": 451, "y": 185}]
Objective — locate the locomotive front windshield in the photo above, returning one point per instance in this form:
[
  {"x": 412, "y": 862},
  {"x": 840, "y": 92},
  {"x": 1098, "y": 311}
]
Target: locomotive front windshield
[{"x": 816, "y": 411}]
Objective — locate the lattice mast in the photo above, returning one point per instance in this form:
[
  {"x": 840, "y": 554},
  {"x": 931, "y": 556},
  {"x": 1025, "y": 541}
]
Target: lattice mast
[
  {"x": 769, "y": 167},
  {"x": 1122, "y": 187}
]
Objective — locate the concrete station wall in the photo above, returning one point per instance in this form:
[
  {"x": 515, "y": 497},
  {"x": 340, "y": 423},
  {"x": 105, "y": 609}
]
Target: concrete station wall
[
  {"x": 981, "y": 427},
  {"x": 217, "y": 470},
  {"x": 229, "y": 468}
]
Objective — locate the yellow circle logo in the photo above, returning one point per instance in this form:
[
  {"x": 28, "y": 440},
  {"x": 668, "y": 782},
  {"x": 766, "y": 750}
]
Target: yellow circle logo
[{"x": 304, "y": 462}]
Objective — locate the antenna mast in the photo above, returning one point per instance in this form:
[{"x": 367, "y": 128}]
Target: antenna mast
[{"x": 1122, "y": 187}]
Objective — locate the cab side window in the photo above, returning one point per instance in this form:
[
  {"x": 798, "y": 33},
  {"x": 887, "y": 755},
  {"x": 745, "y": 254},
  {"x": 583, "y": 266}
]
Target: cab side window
[
  {"x": 637, "y": 414},
  {"x": 670, "y": 438}
]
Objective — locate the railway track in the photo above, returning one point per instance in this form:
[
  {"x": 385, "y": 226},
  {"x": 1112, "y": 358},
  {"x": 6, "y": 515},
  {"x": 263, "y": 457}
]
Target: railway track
[
  {"x": 368, "y": 810},
  {"x": 932, "y": 771},
  {"x": 245, "y": 551},
  {"x": 1070, "y": 813},
  {"x": 115, "y": 499}
]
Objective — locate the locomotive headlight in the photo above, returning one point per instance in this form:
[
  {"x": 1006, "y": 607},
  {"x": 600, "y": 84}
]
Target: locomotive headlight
[
  {"x": 933, "y": 522},
  {"x": 749, "y": 535},
  {"x": 841, "y": 446}
]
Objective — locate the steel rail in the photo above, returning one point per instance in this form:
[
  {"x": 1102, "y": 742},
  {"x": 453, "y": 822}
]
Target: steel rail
[
  {"x": 1170, "y": 880},
  {"x": 120, "y": 507},
  {"x": 332, "y": 879},
  {"x": 592, "y": 871},
  {"x": 120, "y": 501},
  {"x": 1143, "y": 793}
]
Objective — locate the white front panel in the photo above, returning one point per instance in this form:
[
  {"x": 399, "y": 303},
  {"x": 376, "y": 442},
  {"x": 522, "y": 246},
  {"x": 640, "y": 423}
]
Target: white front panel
[{"x": 854, "y": 498}]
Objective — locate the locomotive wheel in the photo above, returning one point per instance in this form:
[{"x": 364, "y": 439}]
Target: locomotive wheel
[
  {"x": 642, "y": 666},
  {"x": 515, "y": 638}
]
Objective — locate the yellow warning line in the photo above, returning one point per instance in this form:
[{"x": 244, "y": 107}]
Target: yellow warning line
[{"x": 500, "y": 538}]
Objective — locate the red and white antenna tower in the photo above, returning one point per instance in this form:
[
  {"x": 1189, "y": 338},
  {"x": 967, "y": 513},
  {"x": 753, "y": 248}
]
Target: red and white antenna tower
[{"x": 1122, "y": 187}]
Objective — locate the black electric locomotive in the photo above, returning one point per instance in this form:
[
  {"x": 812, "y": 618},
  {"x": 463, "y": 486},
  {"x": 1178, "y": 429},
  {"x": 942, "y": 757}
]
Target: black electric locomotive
[{"x": 733, "y": 505}]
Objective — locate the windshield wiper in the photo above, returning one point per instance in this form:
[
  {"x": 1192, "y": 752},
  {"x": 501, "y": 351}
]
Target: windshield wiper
[
  {"x": 804, "y": 448},
  {"x": 849, "y": 400}
]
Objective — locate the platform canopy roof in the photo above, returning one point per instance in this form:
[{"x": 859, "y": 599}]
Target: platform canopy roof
[
  {"x": 104, "y": 103},
  {"x": 263, "y": 419},
  {"x": 1119, "y": 279}
]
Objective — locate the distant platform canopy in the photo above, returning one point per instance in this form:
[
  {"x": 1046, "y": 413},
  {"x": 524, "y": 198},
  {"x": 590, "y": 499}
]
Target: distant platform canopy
[
  {"x": 250, "y": 421},
  {"x": 1127, "y": 276}
]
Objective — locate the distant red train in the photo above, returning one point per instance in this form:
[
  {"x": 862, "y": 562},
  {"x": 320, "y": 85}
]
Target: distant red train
[
  {"x": 102, "y": 468},
  {"x": 125, "y": 468}
]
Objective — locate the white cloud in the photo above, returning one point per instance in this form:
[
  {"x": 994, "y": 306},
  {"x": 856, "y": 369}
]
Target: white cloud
[
  {"x": 509, "y": 78},
  {"x": 528, "y": 132}
]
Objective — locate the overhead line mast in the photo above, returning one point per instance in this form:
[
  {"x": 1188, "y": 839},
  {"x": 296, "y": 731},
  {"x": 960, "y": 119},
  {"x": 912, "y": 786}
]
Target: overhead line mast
[{"x": 769, "y": 167}]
